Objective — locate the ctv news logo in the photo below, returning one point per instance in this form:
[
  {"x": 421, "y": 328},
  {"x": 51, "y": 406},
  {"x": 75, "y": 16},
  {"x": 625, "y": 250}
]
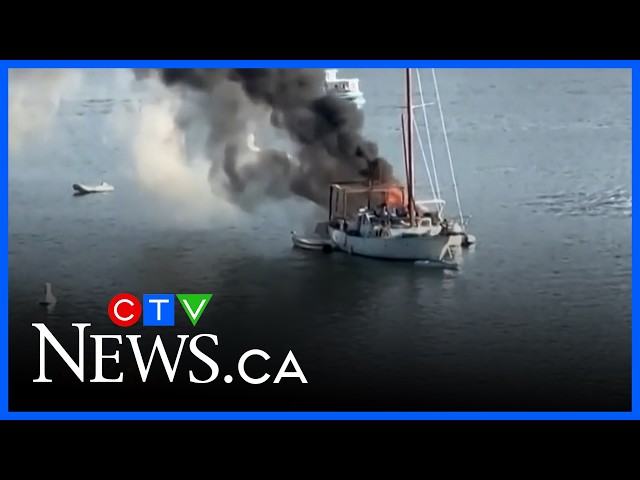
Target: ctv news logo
[{"x": 156, "y": 310}]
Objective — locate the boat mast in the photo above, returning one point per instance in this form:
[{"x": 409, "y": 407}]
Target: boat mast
[
  {"x": 403, "y": 128},
  {"x": 410, "y": 148}
]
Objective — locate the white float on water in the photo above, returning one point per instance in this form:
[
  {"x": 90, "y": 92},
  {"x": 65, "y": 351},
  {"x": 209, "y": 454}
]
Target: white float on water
[
  {"x": 48, "y": 298},
  {"x": 84, "y": 189}
]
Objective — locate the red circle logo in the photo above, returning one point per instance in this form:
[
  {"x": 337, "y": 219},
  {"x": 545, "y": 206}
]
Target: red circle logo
[{"x": 124, "y": 310}]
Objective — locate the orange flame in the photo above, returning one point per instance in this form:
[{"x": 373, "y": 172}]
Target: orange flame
[{"x": 395, "y": 197}]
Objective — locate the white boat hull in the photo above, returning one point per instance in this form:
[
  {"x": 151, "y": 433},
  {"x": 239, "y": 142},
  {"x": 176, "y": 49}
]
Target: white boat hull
[
  {"x": 427, "y": 247},
  {"x": 356, "y": 97}
]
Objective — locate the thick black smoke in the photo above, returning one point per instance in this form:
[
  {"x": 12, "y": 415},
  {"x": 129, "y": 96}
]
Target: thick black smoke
[{"x": 327, "y": 130}]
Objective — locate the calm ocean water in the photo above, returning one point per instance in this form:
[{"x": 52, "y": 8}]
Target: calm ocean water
[{"x": 538, "y": 317}]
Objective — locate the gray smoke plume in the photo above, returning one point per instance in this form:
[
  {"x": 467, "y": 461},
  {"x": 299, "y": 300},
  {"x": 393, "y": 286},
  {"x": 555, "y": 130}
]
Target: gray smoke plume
[
  {"x": 326, "y": 130},
  {"x": 34, "y": 98}
]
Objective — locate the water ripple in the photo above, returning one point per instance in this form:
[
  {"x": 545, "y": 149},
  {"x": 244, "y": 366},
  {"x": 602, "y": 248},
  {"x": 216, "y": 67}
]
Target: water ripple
[{"x": 611, "y": 203}]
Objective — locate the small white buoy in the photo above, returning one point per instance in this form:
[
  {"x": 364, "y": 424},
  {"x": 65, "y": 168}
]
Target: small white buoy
[{"x": 48, "y": 298}]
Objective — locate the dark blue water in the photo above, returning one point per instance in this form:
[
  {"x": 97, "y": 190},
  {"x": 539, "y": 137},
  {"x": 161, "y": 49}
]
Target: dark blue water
[{"x": 539, "y": 317}]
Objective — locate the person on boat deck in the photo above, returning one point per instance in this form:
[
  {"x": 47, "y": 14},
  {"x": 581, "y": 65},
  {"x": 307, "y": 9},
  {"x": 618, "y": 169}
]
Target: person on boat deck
[{"x": 384, "y": 212}]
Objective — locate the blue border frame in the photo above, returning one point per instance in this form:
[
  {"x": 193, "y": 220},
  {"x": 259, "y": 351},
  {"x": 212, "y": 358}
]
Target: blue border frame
[{"x": 634, "y": 414}]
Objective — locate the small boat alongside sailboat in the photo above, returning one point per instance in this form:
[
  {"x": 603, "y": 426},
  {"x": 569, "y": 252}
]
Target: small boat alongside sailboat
[{"x": 318, "y": 240}]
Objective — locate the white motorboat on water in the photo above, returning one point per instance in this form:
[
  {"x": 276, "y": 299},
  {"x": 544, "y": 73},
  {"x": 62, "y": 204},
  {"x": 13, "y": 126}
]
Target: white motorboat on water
[
  {"x": 85, "y": 189},
  {"x": 347, "y": 88}
]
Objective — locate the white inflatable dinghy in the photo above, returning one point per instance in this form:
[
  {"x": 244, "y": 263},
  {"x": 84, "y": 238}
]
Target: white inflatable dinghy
[
  {"x": 311, "y": 242},
  {"x": 318, "y": 240},
  {"x": 83, "y": 189}
]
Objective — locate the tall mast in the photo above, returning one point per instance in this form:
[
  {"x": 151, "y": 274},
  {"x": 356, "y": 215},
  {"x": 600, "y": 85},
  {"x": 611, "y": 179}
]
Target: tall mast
[{"x": 410, "y": 148}]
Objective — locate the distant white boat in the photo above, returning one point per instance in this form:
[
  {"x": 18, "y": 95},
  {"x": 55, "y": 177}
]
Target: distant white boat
[
  {"x": 84, "y": 189},
  {"x": 347, "y": 88}
]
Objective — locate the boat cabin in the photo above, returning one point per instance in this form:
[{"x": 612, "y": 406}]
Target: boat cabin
[
  {"x": 346, "y": 199},
  {"x": 340, "y": 85},
  {"x": 370, "y": 210}
]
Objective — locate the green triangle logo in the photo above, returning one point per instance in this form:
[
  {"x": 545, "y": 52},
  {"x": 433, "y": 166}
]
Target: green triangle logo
[{"x": 194, "y": 304}]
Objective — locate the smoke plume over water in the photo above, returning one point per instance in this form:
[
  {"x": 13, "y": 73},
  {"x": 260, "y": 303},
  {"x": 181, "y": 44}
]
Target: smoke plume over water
[
  {"x": 34, "y": 99},
  {"x": 189, "y": 140},
  {"x": 325, "y": 130}
]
